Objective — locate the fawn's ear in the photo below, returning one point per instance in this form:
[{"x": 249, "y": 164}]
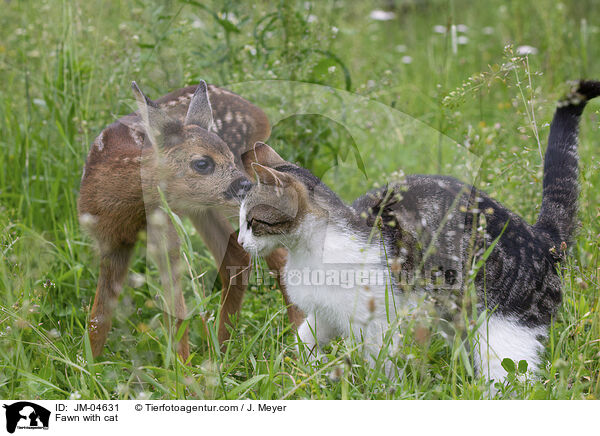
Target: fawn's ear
[
  {"x": 261, "y": 154},
  {"x": 200, "y": 112},
  {"x": 269, "y": 176},
  {"x": 162, "y": 130}
]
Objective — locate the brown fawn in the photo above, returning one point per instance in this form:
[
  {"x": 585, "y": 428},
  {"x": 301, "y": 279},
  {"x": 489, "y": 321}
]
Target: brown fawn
[{"x": 187, "y": 144}]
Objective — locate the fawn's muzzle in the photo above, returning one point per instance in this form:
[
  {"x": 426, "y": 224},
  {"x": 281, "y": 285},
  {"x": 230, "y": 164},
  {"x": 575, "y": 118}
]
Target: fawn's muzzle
[{"x": 238, "y": 188}]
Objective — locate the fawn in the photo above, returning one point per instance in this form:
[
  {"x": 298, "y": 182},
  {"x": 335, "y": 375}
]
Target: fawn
[{"x": 189, "y": 144}]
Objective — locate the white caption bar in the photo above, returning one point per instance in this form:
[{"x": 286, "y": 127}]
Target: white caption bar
[{"x": 152, "y": 417}]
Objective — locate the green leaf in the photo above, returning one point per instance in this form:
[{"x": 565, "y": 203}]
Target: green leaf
[
  {"x": 538, "y": 394},
  {"x": 87, "y": 347},
  {"x": 181, "y": 329},
  {"x": 244, "y": 386},
  {"x": 342, "y": 65},
  {"x": 320, "y": 72},
  {"x": 522, "y": 367},
  {"x": 464, "y": 357},
  {"x": 228, "y": 25},
  {"x": 509, "y": 365}
]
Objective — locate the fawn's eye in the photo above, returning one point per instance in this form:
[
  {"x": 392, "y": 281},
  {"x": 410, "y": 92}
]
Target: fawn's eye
[{"x": 204, "y": 165}]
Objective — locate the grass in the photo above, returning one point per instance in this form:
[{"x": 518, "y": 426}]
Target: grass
[{"x": 65, "y": 68}]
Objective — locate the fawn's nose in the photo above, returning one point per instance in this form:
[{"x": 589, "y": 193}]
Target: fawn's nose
[{"x": 238, "y": 188}]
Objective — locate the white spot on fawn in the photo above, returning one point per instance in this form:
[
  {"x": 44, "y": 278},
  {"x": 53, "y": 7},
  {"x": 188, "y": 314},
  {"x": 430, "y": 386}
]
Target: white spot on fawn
[
  {"x": 99, "y": 142},
  {"x": 137, "y": 138},
  {"x": 180, "y": 100},
  {"x": 87, "y": 219}
]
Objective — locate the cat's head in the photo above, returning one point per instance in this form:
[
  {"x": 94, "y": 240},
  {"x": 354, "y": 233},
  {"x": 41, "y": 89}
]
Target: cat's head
[{"x": 277, "y": 211}]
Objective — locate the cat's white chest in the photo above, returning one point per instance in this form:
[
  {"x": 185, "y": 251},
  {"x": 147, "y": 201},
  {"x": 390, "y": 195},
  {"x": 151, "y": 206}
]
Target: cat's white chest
[{"x": 342, "y": 279}]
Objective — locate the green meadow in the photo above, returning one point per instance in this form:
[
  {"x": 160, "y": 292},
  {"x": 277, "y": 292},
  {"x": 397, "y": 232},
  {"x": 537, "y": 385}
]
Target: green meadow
[{"x": 479, "y": 79}]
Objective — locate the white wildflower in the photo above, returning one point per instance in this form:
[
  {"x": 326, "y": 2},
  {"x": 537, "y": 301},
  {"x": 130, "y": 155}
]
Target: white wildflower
[
  {"x": 250, "y": 49},
  {"x": 198, "y": 24},
  {"x": 136, "y": 280},
  {"x": 380, "y": 15},
  {"x": 229, "y": 16},
  {"x": 526, "y": 50}
]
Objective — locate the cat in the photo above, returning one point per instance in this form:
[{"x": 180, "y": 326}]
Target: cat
[{"x": 352, "y": 268}]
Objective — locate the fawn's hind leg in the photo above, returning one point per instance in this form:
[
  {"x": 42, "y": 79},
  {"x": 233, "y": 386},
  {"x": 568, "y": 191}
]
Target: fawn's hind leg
[
  {"x": 233, "y": 263},
  {"x": 163, "y": 248},
  {"x": 114, "y": 261}
]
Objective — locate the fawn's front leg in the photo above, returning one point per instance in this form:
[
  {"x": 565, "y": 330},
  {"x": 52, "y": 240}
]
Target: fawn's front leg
[
  {"x": 114, "y": 261},
  {"x": 276, "y": 261},
  {"x": 233, "y": 263},
  {"x": 163, "y": 247}
]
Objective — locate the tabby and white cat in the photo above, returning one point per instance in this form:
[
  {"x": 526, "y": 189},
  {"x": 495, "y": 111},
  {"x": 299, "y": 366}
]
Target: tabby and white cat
[{"x": 427, "y": 225}]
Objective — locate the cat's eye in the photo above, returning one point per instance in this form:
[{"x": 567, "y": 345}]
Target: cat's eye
[
  {"x": 205, "y": 165},
  {"x": 249, "y": 223}
]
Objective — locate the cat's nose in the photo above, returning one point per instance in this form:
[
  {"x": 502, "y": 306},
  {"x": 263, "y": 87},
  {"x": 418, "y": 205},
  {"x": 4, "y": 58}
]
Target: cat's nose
[{"x": 238, "y": 188}]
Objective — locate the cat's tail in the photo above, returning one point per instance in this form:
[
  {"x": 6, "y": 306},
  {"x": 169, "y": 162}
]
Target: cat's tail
[{"x": 558, "y": 214}]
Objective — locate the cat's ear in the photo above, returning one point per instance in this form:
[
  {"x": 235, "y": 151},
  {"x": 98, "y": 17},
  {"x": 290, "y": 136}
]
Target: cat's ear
[
  {"x": 261, "y": 154},
  {"x": 269, "y": 176}
]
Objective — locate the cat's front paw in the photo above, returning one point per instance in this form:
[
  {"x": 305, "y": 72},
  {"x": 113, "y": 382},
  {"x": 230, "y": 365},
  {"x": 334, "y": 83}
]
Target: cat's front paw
[
  {"x": 309, "y": 354},
  {"x": 307, "y": 345}
]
